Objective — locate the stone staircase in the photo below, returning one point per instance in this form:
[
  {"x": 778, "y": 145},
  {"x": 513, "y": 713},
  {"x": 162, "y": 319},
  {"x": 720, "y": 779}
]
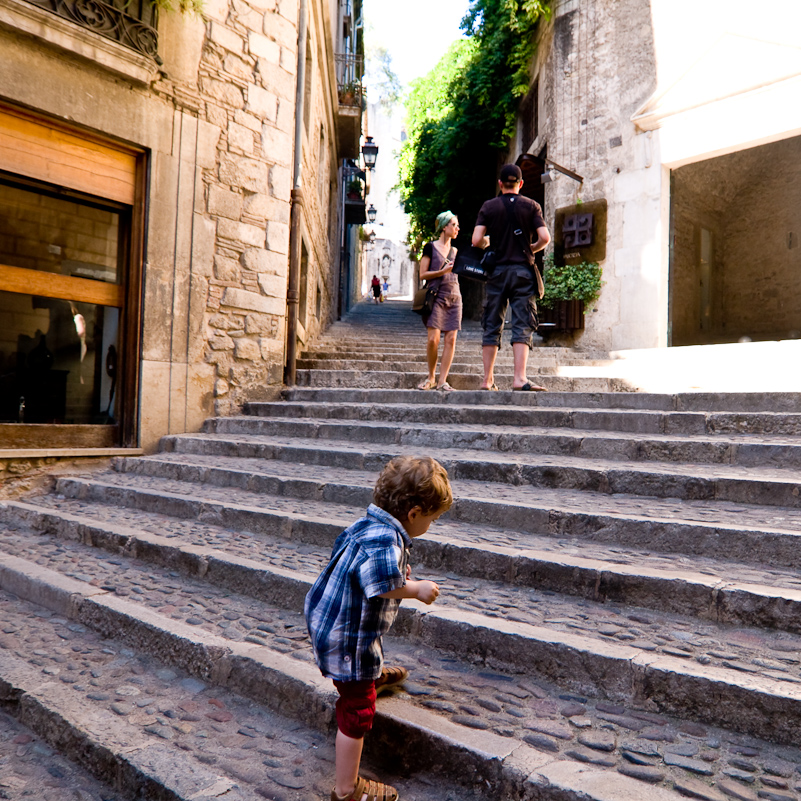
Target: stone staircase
[
  {"x": 350, "y": 356},
  {"x": 620, "y": 615}
]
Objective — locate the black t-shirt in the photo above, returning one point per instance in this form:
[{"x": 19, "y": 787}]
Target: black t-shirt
[{"x": 494, "y": 217}]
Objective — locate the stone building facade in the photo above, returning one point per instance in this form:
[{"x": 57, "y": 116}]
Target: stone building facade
[
  {"x": 185, "y": 143},
  {"x": 681, "y": 120}
]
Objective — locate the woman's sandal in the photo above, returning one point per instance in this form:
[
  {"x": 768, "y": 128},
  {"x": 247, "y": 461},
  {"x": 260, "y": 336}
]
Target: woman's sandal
[
  {"x": 375, "y": 792},
  {"x": 390, "y": 678},
  {"x": 427, "y": 384},
  {"x": 445, "y": 387},
  {"x": 492, "y": 388}
]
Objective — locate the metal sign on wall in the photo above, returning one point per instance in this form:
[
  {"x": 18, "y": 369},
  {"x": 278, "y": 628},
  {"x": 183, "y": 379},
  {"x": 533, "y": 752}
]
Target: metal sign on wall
[{"x": 580, "y": 233}]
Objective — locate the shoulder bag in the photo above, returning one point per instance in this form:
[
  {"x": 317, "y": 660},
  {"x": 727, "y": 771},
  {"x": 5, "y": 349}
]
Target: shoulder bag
[
  {"x": 525, "y": 244},
  {"x": 425, "y": 297}
]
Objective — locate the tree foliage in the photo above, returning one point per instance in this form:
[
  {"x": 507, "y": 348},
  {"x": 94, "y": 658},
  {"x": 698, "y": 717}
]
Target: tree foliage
[
  {"x": 461, "y": 115},
  {"x": 383, "y": 83}
]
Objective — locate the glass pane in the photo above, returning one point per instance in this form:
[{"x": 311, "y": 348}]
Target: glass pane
[
  {"x": 55, "y": 235},
  {"x": 58, "y": 361}
]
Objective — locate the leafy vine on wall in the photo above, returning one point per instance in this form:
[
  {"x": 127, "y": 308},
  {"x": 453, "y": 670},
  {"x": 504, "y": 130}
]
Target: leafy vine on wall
[{"x": 461, "y": 116}]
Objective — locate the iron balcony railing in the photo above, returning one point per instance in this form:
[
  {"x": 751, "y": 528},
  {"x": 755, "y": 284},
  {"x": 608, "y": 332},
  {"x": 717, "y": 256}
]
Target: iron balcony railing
[
  {"x": 132, "y": 23},
  {"x": 350, "y": 71}
]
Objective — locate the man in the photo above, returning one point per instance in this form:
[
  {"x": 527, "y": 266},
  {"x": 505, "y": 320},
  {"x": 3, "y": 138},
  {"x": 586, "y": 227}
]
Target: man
[{"x": 514, "y": 280}]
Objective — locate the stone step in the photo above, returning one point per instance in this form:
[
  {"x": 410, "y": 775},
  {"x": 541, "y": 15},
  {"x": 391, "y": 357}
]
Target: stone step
[
  {"x": 750, "y": 534},
  {"x": 725, "y": 592},
  {"x": 33, "y": 767},
  {"x": 341, "y": 445},
  {"x": 571, "y": 762},
  {"x": 472, "y": 381},
  {"x": 589, "y": 662},
  {"x": 460, "y": 367},
  {"x": 772, "y": 403},
  {"x": 103, "y": 679},
  {"x": 745, "y": 438}
]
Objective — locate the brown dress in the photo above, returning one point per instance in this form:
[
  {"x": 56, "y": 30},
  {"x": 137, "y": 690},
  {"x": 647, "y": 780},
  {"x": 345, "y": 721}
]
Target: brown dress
[{"x": 447, "y": 312}]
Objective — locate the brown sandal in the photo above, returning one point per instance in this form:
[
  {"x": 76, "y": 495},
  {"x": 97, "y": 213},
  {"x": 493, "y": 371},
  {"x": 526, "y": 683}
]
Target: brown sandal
[
  {"x": 390, "y": 678},
  {"x": 375, "y": 792}
]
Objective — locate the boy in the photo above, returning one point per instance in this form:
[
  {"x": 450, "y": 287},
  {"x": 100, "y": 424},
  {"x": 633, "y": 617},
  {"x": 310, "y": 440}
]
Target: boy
[{"x": 356, "y": 598}]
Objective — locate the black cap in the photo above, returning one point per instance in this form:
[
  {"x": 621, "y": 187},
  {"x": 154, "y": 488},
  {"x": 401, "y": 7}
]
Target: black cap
[{"x": 510, "y": 172}]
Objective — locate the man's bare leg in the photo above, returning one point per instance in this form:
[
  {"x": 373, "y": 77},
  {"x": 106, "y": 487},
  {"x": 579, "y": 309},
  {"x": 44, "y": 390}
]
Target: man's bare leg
[
  {"x": 521, "y": 362},
  {"x": 488, "y": 355}
]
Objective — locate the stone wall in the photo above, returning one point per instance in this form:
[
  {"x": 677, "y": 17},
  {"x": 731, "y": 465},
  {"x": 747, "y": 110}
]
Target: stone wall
[
  {"x": 217, "y": 122},
  {"x": 595, "y": 66}
]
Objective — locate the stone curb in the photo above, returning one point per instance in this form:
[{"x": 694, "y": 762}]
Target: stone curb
[
  {"x": 392, "y": 380},
  {"x": 735, "y": 402},
  {"x": 584, "y": 664},
  {"x": 713, "y": 598},
  {"x": 611, "y": 436},
  {"x": 418, "y": 737},
  {"x": 560, "y": 472},
  {"x": 666, "y": 535},
  {"x": 724, "y": 601},
  {"x": 114, "y": 751}
]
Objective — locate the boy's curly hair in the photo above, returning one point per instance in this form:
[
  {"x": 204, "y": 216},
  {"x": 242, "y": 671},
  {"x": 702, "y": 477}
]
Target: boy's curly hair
[{"x": 409, "y": 481}]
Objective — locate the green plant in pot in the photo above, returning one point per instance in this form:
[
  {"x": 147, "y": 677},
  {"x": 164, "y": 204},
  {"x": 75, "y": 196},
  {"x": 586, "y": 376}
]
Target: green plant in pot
[
  {"x": 570, "y": 290},
  {"x": 349, "y": 92},
  {"x": 354, "y": 189},
  {"x": 571, "y": 282}
]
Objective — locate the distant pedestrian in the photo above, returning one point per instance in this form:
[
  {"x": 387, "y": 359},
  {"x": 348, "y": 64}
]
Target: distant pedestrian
[
  {"x": 376, "y": 285},
  {"x": 436, "y": 266},
  {"x": 385, "y": 288},
  {"x": 355, "y": 600},
  {"x": 515, "y": 279}
]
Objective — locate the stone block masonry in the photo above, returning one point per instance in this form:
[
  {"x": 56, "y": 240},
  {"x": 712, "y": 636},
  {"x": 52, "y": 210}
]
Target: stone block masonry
[{"x": 246, "y": 194}]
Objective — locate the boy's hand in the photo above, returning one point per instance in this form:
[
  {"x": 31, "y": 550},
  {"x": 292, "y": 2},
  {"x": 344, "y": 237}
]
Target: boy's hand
[{"x": 427, "y": 591}]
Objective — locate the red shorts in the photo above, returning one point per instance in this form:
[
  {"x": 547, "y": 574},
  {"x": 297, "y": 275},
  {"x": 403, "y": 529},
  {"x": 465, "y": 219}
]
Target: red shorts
[{"x": 355, "y": 707}]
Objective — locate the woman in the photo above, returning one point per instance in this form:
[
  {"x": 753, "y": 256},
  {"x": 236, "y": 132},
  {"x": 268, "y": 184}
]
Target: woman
[
  {"x": 436, "y": 267},
  {"x": 376, "y": 285}
]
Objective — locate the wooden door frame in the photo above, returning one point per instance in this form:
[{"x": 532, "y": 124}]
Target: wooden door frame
[{"x": 133, "y": 280}]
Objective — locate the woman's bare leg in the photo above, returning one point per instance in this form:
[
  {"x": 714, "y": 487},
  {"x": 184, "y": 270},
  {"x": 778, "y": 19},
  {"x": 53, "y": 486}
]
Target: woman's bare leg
[
  {"x": 448, "y": 349},
  {"x": 431, "y": 352}
]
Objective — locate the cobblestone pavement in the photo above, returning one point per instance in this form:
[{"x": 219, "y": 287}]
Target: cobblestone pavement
[
  {"x": 29, "y": 768},
  {"x": 279, "y": 758},
  {"x": 648, "y": 746},
  {"x": 724, "y": 513}
]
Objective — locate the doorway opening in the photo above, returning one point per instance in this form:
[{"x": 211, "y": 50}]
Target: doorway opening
[{"x": 735, "y": 260}]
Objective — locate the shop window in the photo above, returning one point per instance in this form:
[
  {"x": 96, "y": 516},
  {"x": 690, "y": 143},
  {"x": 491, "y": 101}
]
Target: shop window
[{"x": 62, "y": 263}]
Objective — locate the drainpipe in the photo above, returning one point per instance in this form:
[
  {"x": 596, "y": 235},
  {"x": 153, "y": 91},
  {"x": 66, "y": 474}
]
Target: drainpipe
[{"x": 296, "y": 208}]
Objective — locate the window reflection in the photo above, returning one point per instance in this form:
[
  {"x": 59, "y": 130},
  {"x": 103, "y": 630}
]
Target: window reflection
[{"x": 58, "y": 360}]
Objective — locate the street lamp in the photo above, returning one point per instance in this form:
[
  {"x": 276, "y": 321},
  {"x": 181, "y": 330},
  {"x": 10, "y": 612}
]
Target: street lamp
[
  {"x": 371, "y": 213},
  {"x": 370, "y": 152}
]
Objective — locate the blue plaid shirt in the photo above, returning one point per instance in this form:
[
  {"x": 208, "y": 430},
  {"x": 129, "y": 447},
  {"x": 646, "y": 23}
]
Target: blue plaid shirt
[{"x": 345, "y": 617}]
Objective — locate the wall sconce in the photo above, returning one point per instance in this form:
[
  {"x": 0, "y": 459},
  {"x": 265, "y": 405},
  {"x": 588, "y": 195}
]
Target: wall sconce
[{"x": 553, "y": 168}]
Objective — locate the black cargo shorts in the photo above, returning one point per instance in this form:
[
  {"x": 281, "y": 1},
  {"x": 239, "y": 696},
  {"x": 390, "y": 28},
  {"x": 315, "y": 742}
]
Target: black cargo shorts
[{"x": 510, "y": 284}]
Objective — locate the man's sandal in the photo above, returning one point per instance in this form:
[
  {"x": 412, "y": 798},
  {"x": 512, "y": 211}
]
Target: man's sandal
[
  {"x": 375, "y": 791},
  {"x": 390, "y": 678}
]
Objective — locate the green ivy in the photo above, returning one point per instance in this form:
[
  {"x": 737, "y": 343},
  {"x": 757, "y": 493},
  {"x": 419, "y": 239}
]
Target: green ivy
[
  {"x": 571, "y": 282},
  {"x": 184, "y": 6},
  {"x": 461, "y": 116}
]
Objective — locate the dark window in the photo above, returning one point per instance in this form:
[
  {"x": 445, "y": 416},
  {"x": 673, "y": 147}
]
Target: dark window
[{"x": 528, "y": 117}]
